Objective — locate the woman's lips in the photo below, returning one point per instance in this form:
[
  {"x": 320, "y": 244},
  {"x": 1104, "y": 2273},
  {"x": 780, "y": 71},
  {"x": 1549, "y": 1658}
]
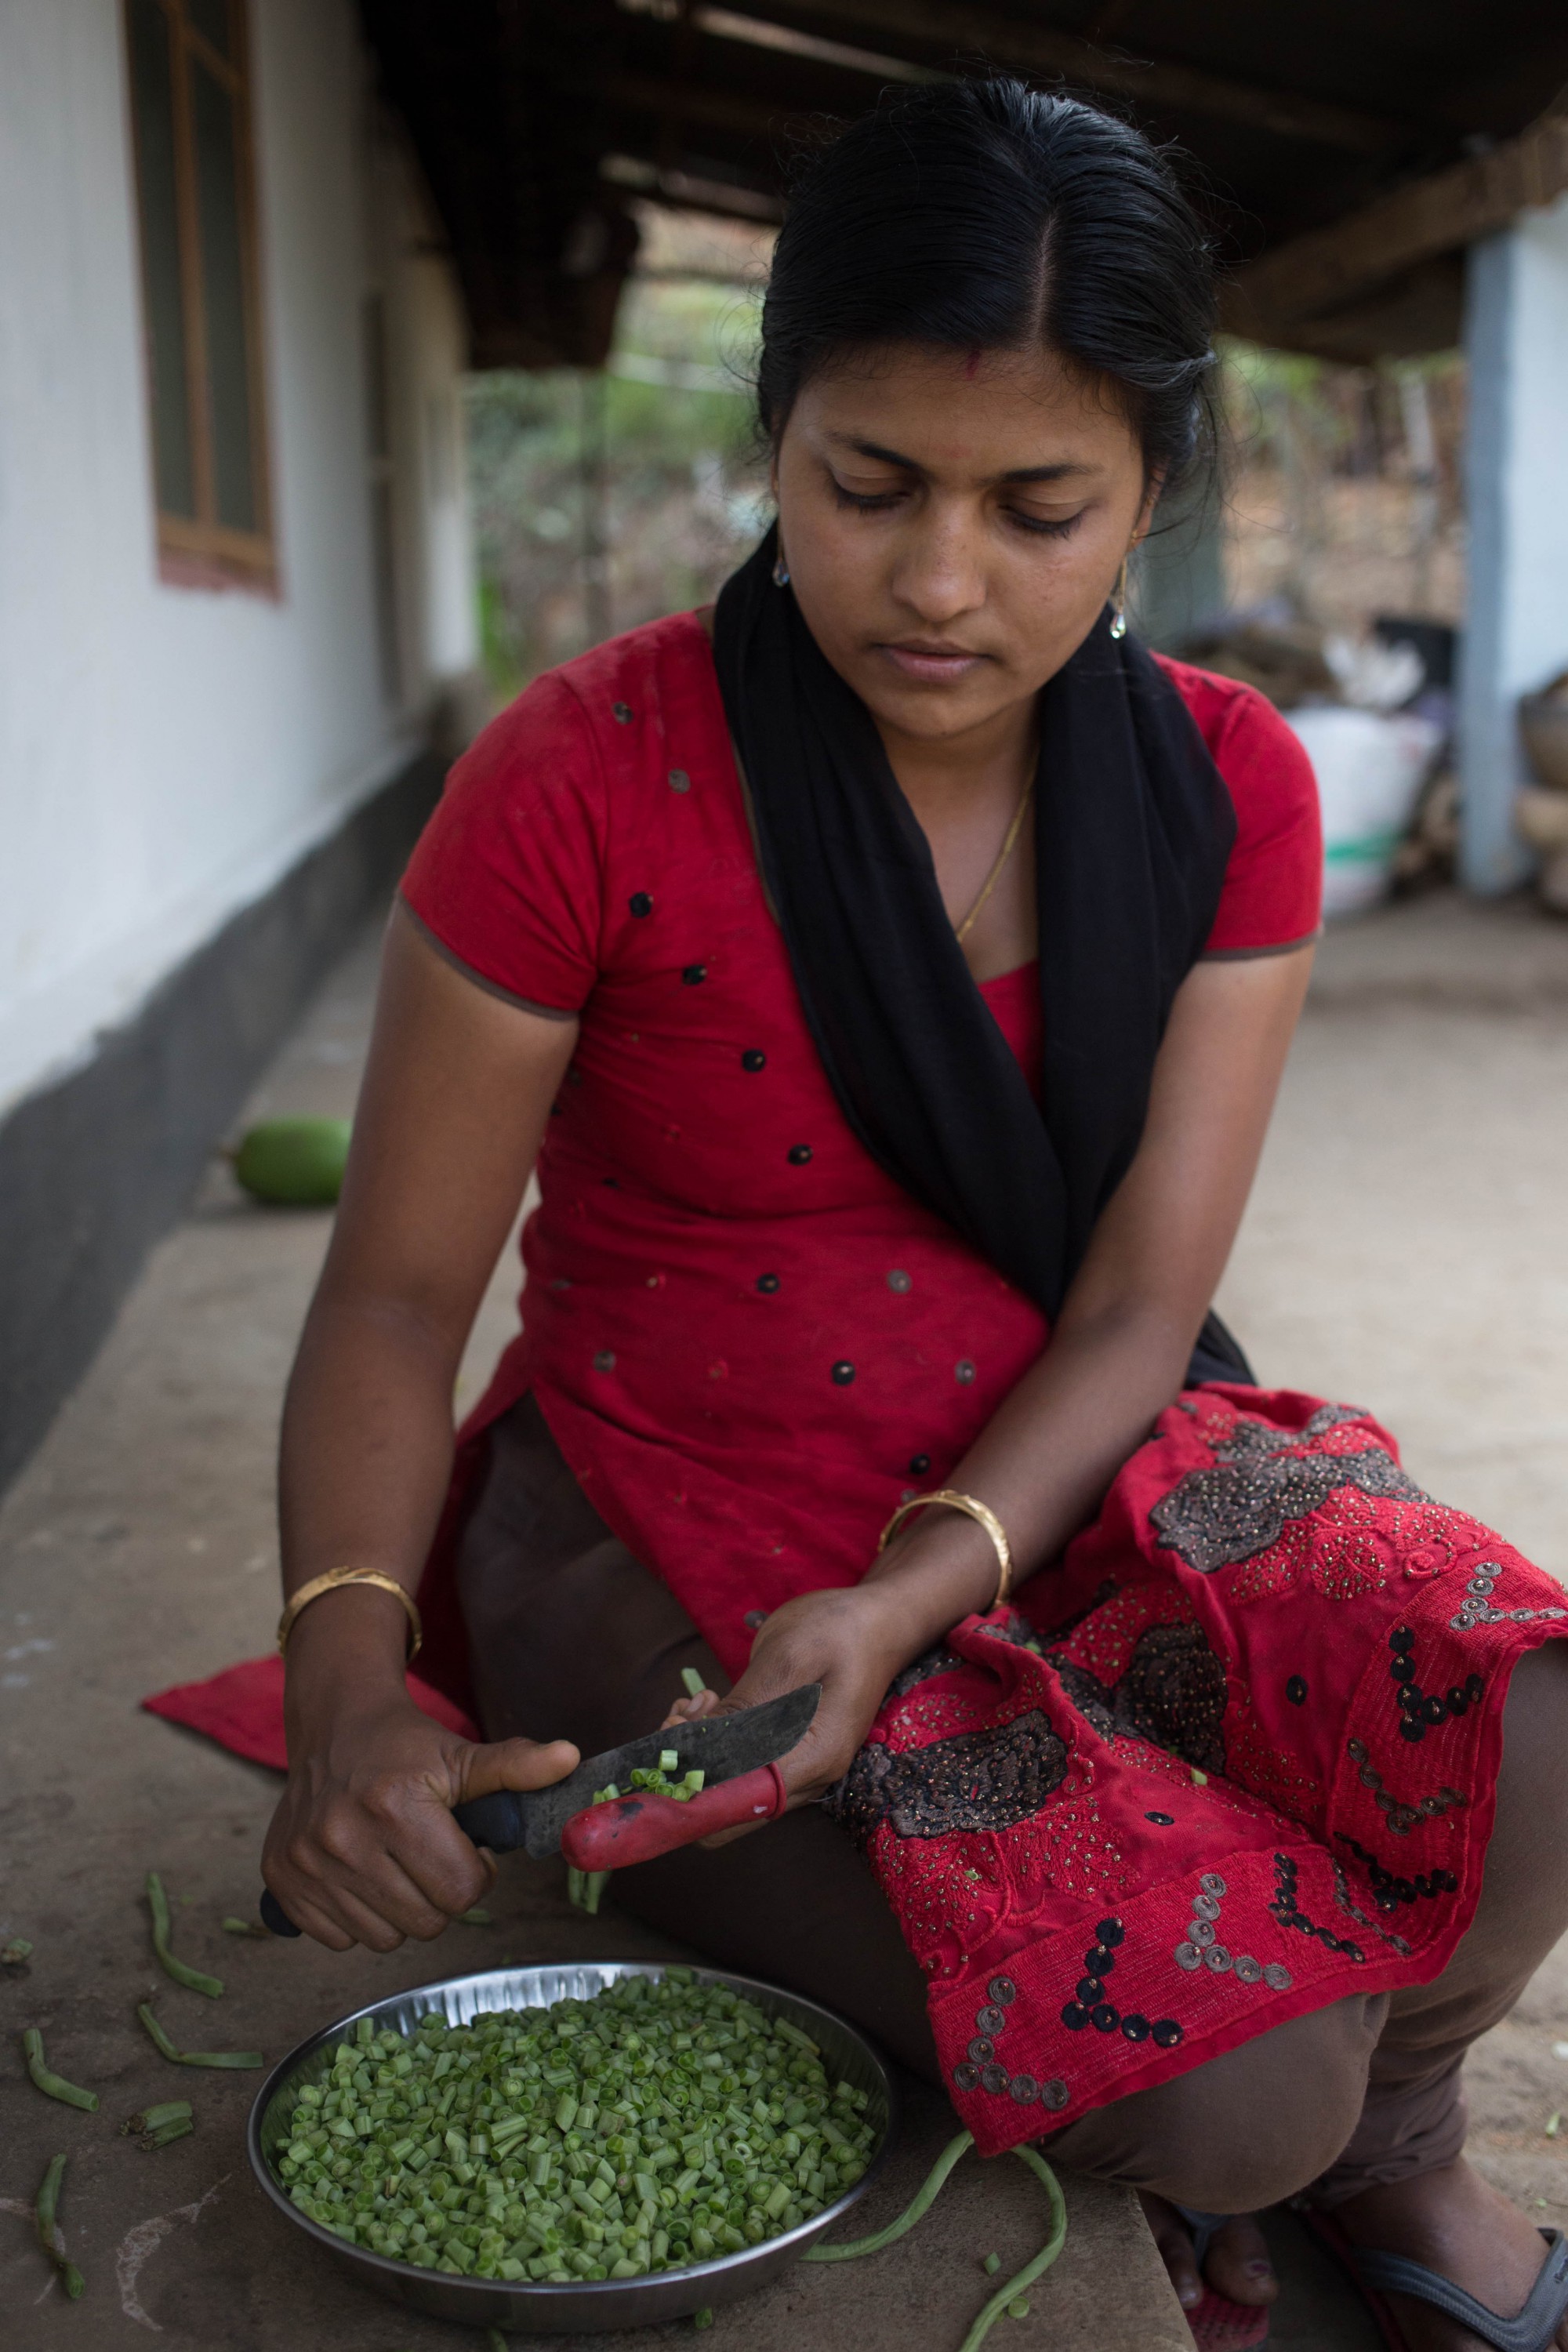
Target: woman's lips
[{"x": 934, "y": 663}]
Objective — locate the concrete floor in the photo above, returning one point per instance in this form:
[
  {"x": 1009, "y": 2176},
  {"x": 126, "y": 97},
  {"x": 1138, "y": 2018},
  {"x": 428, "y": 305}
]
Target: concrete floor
[{"x": 1403, "y": 1247}]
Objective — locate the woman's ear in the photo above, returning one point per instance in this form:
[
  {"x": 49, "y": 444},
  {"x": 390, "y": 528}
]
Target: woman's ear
[{"x": 1152, "y": 491}]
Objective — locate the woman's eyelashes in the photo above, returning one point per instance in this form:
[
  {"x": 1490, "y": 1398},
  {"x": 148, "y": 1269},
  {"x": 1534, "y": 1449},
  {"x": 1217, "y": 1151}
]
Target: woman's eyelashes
[{"x": 882, "y": 501}]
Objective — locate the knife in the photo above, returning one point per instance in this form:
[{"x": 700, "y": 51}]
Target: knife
[{"x": 737, "y": 1754}]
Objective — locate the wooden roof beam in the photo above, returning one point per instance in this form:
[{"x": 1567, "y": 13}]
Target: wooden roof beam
[
  {"x": 1327, "y": 269},
  {"x": 1036, "y": 50}
]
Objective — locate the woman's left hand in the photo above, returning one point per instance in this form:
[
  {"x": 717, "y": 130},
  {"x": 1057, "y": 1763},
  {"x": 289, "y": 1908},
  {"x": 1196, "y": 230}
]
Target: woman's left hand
[{"x": 844, "y": 1639}]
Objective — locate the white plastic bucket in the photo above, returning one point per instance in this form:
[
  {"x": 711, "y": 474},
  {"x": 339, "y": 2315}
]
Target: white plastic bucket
[{"x": 1369, "y": 771}]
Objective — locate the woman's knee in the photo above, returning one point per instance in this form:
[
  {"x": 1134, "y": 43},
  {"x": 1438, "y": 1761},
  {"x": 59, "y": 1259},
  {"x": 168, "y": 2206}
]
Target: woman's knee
[{"x": 1247, "y": 2130}]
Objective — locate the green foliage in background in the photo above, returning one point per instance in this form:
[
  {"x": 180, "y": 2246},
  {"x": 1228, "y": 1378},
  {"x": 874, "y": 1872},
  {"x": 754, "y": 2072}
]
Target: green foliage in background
[{"x": 682, "y": 495}]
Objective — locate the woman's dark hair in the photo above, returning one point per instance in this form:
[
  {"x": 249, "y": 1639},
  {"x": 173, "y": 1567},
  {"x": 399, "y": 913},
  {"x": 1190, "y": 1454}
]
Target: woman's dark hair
[{"x": 986, "y": 216}]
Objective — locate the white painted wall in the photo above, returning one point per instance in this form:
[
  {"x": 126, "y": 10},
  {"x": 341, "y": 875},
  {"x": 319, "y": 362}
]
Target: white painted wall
[
  {"x": 1516, "y": 470},
  {"x": 167, "y": 752}
]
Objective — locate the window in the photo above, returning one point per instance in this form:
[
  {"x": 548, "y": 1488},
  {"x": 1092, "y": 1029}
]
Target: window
[{"x": 196, "y": 197}]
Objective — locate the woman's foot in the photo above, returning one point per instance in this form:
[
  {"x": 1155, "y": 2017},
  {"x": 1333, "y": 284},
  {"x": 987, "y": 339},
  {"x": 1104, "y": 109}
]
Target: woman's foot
[
  {"x": 1466, "y": 2231},
  {"x": 1236, "y": 2263}
]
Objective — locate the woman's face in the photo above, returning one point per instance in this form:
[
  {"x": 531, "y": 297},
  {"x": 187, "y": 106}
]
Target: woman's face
[{"x": 953, "y": 524}]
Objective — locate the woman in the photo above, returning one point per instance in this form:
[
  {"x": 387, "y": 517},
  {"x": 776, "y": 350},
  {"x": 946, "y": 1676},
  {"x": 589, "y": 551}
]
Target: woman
[{"x": 891, "y": 973}]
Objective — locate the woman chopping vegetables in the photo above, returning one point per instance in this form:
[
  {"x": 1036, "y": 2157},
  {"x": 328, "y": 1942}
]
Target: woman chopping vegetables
[{"x": 889, "y": 973}]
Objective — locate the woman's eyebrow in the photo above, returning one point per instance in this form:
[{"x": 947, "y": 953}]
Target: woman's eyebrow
[{"x": 1056, "y": 473}]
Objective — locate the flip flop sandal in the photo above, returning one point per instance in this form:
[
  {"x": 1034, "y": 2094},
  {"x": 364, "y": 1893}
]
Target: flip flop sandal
[
  {"x": 1379, "y": 2275},
  {"x": 1217, "y": 2324}
]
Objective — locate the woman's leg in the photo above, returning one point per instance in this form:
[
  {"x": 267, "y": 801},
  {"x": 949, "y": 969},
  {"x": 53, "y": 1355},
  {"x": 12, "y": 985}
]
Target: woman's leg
[
  {"x": 1377, "y": 2080},
  {"x": 1401, "y": 2181},
  {"x": 569, "y": 1637}
]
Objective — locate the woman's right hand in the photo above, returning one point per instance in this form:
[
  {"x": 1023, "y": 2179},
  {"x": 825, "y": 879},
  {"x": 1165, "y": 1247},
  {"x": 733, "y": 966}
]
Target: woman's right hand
[{"x": 363, "y": 1848}]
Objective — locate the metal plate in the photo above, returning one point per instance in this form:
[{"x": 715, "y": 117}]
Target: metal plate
[{"x": 588, "y": 2306}]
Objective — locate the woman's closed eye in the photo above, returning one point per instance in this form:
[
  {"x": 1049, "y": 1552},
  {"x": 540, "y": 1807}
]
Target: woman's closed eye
[{"x": 881, "y": 501}]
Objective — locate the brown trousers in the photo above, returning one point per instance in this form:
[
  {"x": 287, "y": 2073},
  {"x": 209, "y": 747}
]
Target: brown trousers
[{"x": 572, "y": 1637}]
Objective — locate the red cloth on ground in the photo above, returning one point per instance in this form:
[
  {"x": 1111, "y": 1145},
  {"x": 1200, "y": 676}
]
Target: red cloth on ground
[{"x": 242, "y": 1709}]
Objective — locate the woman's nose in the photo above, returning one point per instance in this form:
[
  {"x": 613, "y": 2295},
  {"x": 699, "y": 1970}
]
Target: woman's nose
[{"x": 939, "y": 576}]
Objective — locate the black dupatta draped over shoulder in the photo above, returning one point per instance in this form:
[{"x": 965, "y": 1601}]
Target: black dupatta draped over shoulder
[{"x": 1133, "y": 826}]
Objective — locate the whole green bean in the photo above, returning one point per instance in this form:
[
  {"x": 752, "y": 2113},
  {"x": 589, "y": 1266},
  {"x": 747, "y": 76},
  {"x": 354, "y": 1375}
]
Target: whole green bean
[
  {"x": 236, "y": 2058},
  {"x": 192, "y": 1979},
  {"x": 919, "y": 2205},
  {"x": 1013, "y": 2293},
  {"x": 44, "y": 2217},
  {"x": 54, "y": 2086}
]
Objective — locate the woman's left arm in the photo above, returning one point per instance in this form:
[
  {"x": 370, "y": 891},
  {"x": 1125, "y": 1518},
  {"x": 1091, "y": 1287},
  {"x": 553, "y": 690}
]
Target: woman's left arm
[{"x": 1116, "y": 1360}]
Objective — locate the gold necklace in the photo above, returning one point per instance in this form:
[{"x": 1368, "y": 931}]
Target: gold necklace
[{"x": 961, "y": 931}]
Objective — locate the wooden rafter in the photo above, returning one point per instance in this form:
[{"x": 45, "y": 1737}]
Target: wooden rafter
[
  {"x": 1316, "y": 275},
  {"x": 1037, "y": 49}
]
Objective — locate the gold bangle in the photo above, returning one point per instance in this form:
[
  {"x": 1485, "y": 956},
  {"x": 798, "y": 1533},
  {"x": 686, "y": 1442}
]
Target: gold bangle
[
  {"x": 980, "y": 1511},
  {"x": 329, "y": 1582}
]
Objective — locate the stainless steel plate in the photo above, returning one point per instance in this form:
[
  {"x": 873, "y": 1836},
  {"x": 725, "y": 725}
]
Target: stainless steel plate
[{"x": 588, "y": 2306}]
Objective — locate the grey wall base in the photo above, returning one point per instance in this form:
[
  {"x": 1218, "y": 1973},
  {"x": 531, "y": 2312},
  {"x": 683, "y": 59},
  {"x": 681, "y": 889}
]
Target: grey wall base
[{"x": 94, "y": 1169}]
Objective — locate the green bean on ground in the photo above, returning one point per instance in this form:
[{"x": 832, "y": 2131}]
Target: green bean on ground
[
  {"x": 54, "y": 2087},
  {"x": 1008, "y": 2298},
  {"x": 45, "y": 2213},
  {"x": 660, "y": 2124},
  {"x": 194, "y": 1980},
  {"x": 176, "y": 2057}
]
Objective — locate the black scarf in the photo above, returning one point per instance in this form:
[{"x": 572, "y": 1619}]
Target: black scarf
[{"x": 1133, "y": 828}]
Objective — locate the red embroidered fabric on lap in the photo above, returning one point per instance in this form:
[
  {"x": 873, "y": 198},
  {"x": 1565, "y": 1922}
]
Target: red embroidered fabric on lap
[{"x": 1233, "y": 1762}]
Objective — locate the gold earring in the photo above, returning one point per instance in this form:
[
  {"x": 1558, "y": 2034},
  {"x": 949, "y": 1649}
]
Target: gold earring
[{"x": 1119, "y": 603}]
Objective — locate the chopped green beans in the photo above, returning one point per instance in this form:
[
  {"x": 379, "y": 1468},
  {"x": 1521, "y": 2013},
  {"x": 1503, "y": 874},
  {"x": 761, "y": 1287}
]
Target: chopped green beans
[
  {"x": 232, "y": 1926},
  {"x": 48, "y": 2227},
  {"x": 192, "y": 1979},
  {"x": 15, "y": 1953},
  {"x": 151, "y": 2119},
  {"x": 695, "y": 1685},
  {"x": 55, "y": 2087},
  {"x": 703, "y": 2318},
  {"x": 475, "y": 1917},
  {"x": 661, "y": 2123},
  {"x": 990, "y": 2265},
  {"x": 495, "y": 2339},
  {"x": 236, "y": 2058},
  {"x": 1019, "y": 2308}
]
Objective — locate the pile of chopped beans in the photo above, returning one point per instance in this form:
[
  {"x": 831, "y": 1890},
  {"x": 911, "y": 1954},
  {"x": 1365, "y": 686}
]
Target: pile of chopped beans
[{"x": 661, "y": 2123}]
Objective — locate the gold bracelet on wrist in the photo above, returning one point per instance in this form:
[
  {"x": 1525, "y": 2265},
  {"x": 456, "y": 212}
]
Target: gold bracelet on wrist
[
  {"x": 979, "y": 1511},
  {"x": 330, "y": 1583}
]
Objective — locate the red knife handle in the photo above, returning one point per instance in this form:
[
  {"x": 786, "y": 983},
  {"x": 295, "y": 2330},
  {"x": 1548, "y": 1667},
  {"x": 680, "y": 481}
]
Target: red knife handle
[{"x": 638, "y": 1827}]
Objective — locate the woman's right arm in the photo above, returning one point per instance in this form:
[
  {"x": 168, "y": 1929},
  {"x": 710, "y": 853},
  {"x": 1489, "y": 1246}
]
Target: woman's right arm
[{"x": 458, "y": 1089}]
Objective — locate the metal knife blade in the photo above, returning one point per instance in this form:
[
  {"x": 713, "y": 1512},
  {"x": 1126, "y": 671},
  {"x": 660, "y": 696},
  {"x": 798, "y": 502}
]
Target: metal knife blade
[{"x": 721, "y": 1747}]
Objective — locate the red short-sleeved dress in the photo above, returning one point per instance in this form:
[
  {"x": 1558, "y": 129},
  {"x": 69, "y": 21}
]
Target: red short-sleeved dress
[{"x": 1229, "y": 1761}]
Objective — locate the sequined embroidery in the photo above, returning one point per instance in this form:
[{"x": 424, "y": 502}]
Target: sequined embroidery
[
  {"x": 1475, "y": 1608},
  {"x": 976, "y": 1780},
  {"x": 1289, "y": 1914},
  {"x": 1173, "y": 1694},
  {"x": 1260, "y": 1479}
]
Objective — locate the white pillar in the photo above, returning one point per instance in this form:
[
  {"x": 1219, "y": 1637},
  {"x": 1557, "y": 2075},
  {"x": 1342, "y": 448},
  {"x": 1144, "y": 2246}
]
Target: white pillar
[{"x": 1516, "y": 487}]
